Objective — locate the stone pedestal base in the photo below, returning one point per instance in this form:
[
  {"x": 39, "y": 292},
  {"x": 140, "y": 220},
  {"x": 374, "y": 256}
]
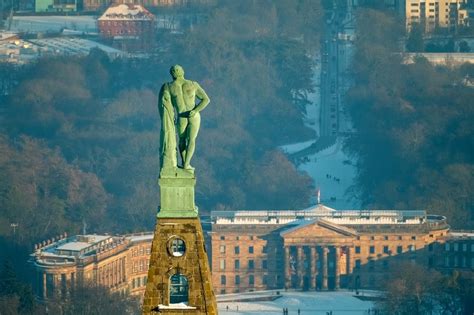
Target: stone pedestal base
[
  {"x": 177, "y": 194},
  {"x": 179, "y": 278}
]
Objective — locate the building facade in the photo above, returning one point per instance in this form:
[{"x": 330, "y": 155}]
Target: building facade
[
  {"x": 431, "y": 14},
  {"x": 314, "y": 249},
  {"x": 130, "y": 26},
  {"x": 119, "y": 263},
  {"x": 456, "y": 251},
  {"x": 318, "y": 248}
]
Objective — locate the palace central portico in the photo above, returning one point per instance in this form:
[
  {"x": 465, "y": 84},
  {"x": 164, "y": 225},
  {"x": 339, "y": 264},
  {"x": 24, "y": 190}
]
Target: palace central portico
[{"x": 317, "y": 253}]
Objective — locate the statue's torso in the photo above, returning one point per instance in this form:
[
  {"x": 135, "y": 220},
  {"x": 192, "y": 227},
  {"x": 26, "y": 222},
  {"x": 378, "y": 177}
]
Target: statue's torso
[{"x": 183, "y": 95}]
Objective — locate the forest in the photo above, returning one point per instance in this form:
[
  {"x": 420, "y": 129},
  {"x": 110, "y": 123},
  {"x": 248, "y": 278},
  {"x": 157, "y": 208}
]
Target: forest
[
  {"x": 414, "y": 126},
  {"x": 414, "y": 289}
]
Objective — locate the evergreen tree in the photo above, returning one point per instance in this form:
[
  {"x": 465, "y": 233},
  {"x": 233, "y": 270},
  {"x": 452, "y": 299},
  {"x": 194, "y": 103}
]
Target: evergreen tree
[{"x": 415, "y": 41}]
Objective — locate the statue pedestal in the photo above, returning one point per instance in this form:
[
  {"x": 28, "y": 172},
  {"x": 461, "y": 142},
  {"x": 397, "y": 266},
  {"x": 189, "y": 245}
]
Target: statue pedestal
[
  {"x": 179, "y": 277},
  {"x": 177, "y": 194}
]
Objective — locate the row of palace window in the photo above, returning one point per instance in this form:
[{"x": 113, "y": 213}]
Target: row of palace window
[
  {"x": 251, "y": 279},
  {"x": 222, "y": 238},
  {"x": 371, "y": 264},
  {"x": 110, "y": 32},
  {"x": 386, "y": 237},
  {"x": 250, "y": 264},
  {"x": 458, "y": 247},
  {"x": 449, "y": 261},
  {"x": 141, "y": 250},
  {"x": 386, "y": 249},
  {"x": 112, "y": 273},
  {"x": 121, "y": 22},
  {"x": 139, "y": 282},
  {"x": 251, "y": 249},
  {"x": 455, "y": 261},
  {"x": 140, "y": 266}
]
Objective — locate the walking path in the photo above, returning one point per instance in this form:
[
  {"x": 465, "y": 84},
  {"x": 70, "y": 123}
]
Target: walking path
[{"x": 332, "y": 170}]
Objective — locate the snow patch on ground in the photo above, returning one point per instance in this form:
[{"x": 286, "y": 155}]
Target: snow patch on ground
[
  {"x": 314, "y": 303},
  {"x": 296, "y": 147},
  {"x": 333, "y": 172},
  {"x": 178, "y": 306}
]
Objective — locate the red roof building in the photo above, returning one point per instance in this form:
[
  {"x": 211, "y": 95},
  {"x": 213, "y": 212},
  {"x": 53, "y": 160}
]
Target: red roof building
[{"x": 128, "y": 25}]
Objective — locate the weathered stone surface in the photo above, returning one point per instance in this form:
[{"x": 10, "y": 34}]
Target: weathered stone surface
[
  {"x": 177, "y": 194},
  {"x": 193, "y": 264}
]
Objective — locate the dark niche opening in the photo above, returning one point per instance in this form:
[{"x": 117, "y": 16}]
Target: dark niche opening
[{"x": 179, "y": 289}]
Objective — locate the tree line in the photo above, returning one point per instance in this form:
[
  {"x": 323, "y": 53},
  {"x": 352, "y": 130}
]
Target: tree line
[{"x": 411, "y": 289}]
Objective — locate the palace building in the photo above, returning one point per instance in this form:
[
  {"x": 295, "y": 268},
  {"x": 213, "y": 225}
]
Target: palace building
[
  {"x": 119, "y": 263},
  {"x": 313, "y": 249},
  {"x": 318, "y": 248}
]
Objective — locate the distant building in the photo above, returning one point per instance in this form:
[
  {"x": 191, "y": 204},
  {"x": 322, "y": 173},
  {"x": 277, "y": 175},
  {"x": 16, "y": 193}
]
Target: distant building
[
  {"x": 19, "y": 51},
  {"x": 8, "y": 36},
  {"x": 314, "y": 249},
  {"x": 431, "y": 14},
  {"x": 119, "y": 263},
  {"x": 129, "y": 25},
  {"x": 456, "y": 251},
  {"x": 452, "y": 59},
  {"x": 318, "y": 248},
  {"x": 94, "y": 5},
  {"x": 57, "y": 5}
]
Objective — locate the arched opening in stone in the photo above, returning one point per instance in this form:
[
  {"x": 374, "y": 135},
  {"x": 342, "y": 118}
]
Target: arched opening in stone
[{"x": 179, "y": 289}]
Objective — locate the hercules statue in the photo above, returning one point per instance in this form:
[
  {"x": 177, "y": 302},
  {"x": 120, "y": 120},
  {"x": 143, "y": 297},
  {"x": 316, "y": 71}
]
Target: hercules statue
[{"x": 180, "y": 96}]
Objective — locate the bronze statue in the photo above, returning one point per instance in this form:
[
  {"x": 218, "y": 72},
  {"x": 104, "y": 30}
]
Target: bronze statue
[{"x": 180, "y": 96}]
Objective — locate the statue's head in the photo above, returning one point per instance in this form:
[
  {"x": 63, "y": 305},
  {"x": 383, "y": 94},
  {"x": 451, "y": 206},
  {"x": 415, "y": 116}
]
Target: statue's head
[{"x": 177, "y": 71}]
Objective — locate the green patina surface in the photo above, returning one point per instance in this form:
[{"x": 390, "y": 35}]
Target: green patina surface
[
  {"x": 177, "y": 194},
  {"x": 180, "y": 118},
  {"x": 180, "y": 115}
]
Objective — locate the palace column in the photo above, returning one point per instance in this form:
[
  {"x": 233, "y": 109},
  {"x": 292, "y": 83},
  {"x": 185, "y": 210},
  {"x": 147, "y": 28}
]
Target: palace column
[
  {"x": 300, "y": 268},
  {"x": 118, "y": 270},
  {"x": 287, "y": 268},
  {"x": 337, "y": 271},
  {"x": 313, "y": 268},
  {"x": 349, "y": 260},
  {"x": 68, "y": 283},
  {"x": 324, "y": 265},
  {"x": 45, "y": 287},
  {"x": 124, "y": 270},
  {"x": 56, "y": 284}
]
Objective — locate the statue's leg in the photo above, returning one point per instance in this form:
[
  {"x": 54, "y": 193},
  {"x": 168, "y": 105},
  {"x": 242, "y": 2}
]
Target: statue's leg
[
  {"x": 183, "y": 135},
  {"x": 193, "y": 130}
]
